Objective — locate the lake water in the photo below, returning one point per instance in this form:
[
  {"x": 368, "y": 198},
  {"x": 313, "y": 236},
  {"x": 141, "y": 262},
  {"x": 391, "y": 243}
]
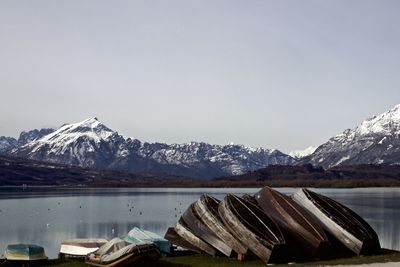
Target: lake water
[{"x": 46, "y": 216}]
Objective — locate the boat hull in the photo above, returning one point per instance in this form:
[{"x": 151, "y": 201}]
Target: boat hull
[
  {"x": 24, "y": 252},
  {"x": 118, "y": 252},
  {"x": 184, "y": 232},
  {"x": 295, "y": 221},
  {"x": 341, "y": 222},
  {"x": 79, "y": 248},
  {"x": 194, "y": 223},
  {"x": 207, "y": 209},
  {"x": 172, "y": 236},
  {"x": 254, "y": 228}
]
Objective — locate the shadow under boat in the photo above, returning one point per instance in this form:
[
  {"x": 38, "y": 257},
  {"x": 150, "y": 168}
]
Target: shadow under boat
[
  {"x": 296, "y": 222},
  {"x": 207, "y": 209},
  {"x": 341, "y": 222},
  {"x": 248, "y": 223},
  {"x": 195, "y": 224}
]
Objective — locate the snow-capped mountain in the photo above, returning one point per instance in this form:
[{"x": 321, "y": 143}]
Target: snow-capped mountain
[
  {"x": 298, "y": 154},
  {"x": 375, "y": 141},
  {"x": 91, "y": 144},
  {"x": 7, "y": 144}
]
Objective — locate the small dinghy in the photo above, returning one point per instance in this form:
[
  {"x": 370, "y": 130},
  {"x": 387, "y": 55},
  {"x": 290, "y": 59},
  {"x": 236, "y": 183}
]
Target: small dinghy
[
  {"x": 24, "y": 252},
  {"x": 253, "y": 227},
  {"x": 194, "y": 223},
  {"x": 118, "y": 253},
  {"x": 294, "y": 220},
  {"x": 138, "y": 235},
  {"x": 79, "y": 248},
  {"x": 207, "y": 209},
  {"x": 343, "y": 223}
]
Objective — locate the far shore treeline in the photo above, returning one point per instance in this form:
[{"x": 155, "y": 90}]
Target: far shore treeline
[{"x": 18, "y": 172}]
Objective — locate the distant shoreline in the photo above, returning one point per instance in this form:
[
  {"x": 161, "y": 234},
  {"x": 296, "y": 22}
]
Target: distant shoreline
[{"x": 226, "y": 184}]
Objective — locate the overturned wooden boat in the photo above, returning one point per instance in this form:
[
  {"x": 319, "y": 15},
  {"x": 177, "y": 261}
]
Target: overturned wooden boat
[
  {"x": 343, "y": 223},
  {"x": 24, "y": 252},
  {"x": 172, "y": 236},
  {"x": 79, "y": 248},
  {"x": 207, "y": 209},
  {"x": 118, "y": 253},
  {"x": 294, "y": 220},
  {"x": 253, "y": 227},
  {"x": 195, "y": 224},
  {"x": 185, "y": 233},
  {"x": 138, "y": 235}
]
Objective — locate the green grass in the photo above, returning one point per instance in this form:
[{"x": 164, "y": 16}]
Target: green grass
[{"x": 205, "y": 260}]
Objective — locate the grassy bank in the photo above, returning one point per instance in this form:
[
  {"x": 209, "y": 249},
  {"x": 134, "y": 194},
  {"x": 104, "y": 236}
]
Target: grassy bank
[{"x": 205, "y": 260}]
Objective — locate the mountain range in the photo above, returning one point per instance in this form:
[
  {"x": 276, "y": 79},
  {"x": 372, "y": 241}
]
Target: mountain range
[
  {"x": 374, "y": 141},
  {"x": 91, "y": 144}
]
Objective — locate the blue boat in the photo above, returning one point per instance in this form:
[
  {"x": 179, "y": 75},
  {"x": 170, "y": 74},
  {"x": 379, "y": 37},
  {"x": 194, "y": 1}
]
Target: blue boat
[{"x": 24, "y": 252}]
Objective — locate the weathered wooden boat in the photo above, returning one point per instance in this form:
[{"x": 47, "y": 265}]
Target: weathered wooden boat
[
  {"x": 172, "y": 236},
  {"x": 341, "y": 222},
  {"x": 25, "y": 252},
  {"x": 253, "y": 227},
  {"x": 138, "y": 235},
  {"x": 185, "y": 233},
  {"x": 295, "y": 221},
  {"x": 194, "y": 223},
  {"x": 118, "y": 253},
  {"x": 207, "y": 209},
  {"x": 79, "y": 248}
]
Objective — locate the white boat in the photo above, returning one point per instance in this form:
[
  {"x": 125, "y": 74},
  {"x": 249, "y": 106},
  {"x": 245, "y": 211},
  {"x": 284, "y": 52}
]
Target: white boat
[
  {"x": 118, "y": 253},
  {"x": 80, "y": 247}
]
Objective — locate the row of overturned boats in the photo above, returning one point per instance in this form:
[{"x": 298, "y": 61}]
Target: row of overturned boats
[{"x": 274, "y": 227}]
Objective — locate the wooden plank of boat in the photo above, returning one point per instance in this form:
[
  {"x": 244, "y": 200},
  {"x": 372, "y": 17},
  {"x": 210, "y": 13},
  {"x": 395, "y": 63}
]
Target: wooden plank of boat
[
  {"x": 80, "y": 247},
  {"x": 343, "y": 223},
  {"x": 172, "y": 236},
  {"x": 207, "y": 209},
  {"x": 252, "y": 226},
  {"x": 24, "y": 252},
  {"x": 194, "y": 223},
  {"x": 294, "y": 220},
  {"x": 183, "y": 231}
]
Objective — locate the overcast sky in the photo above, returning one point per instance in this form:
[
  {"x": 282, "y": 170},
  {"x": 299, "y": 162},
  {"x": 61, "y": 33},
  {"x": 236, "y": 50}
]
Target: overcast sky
[{"x": 277, "y": 74}]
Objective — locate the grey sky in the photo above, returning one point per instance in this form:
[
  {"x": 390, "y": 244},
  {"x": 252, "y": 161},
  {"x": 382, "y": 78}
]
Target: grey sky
[{"x": 278, "y": 74}]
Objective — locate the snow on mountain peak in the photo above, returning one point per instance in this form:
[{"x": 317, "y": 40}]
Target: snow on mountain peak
[
  {"x": 385, "y": 123},
  {"x": 302, "y": 153},
  {"x": 91, "y": 130}
]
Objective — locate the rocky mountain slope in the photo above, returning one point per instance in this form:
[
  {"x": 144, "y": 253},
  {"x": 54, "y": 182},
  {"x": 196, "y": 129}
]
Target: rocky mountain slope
[
  {"x": 91, "y": 144},
  {"x": 375, "y": 141}
]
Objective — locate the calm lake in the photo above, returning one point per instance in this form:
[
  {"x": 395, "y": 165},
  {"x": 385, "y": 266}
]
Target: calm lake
[{"x": 46, "y": 216}]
